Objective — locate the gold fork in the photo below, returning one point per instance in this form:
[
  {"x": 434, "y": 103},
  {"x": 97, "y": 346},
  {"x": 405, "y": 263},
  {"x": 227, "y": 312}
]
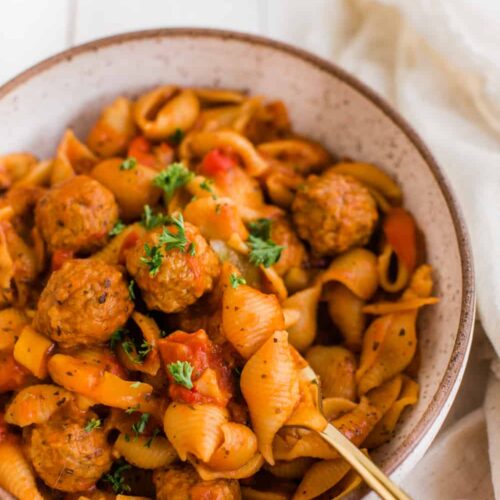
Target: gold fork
[{"x": 372, "y": 475}]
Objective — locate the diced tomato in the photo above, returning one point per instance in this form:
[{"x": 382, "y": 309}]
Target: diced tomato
[
  {"x": 401, "y": 233},
  {"x": 218, "y": 162},
  {"x": 140, "y": 149},
  {"x": 197, "y": 349},
  {"x": 59, "y": 257},
  {"x": 12, "y": 375},
  {"x": 164, "y": 154},
  {"x": 129, "y": 242}
]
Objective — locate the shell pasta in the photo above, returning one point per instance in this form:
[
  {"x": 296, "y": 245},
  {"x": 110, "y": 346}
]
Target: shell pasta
[{"x": 165, "y": 282}]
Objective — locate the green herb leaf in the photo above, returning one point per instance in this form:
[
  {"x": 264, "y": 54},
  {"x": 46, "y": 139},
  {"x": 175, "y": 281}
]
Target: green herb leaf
[
  {"x": 192, "y": 249},
  {"x": 131, "y": 410},
  {"x": 143, "y": 351},
  {"x": 176, "y": 137},
  {"x": 151, "y": 220},
  {"x": 116, "y": 480},
  {"x": 236, "y": 280},
  {"x": 131, "y": 292},
  {"x": 153, "y": 258},
  {"x": 140, "y": 426},
  {"x": 175, "y": 241},
  {"x": 128, "y": 164},
  {"x": 181, "y": 372},
  {"x": 93, "y": 423},
  {"x": 207, "y": 185},
  {"x": 117, "y": 228},
  {"x": 264, "y": 252},
  {"x": 116, "y": 337},
  {"x": 135, "y": 385},
  {"x": 173, "y": 177},
  {"x": 261, "y": 228},
  {"x": 148, "y": 443}
]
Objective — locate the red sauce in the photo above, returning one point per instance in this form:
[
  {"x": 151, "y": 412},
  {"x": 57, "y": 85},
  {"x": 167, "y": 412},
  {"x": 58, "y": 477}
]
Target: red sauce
[
  {"x": 140, "y": 149},
  {"x": 59, "y": 257},
  {"x": 217, "y": 162},
  {"x": 198, "y": 350}
]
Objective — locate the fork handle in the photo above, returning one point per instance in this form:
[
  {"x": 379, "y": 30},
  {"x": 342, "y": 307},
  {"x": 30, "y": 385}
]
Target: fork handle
[{"x": 372, "y": 475}]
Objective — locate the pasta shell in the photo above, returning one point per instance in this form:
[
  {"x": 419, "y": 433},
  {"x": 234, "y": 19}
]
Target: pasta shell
[
  {"x": 140, "y": 453},
  {"x": 36, "y": 404},
  {"x": 72, "y": 157},
  {"x": 357, "y": 270},
  {"x": 336, "y": 368},
  {"x": 335, "y": 407},
  {"x": 294, "y": 469},
  {"x": 249, "y": 318},
  {"x": 12, "y": 322},
  {"x": 292, "y": 443},
  {"x": 388, "y": 348},
  {"x": 321, "y": 477},
  {"x": 239, "y": 445},
  {"x": 270, "y": 386},
  {"x": 247, "y": 470},
  {"x": 387, "y": 282},
  {"x": 16, "y": 475},
  {"x": 195, "y": 429},
  {"x": 350, "y": 482},
  {"x": 303, "y": 332},
  {"x": 347, "y": 314},
  {"x": 248, "y": 493}
]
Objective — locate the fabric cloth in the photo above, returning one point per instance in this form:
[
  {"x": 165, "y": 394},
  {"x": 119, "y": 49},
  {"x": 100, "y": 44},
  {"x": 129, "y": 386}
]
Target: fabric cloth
[{"x": 438, "y": 63}]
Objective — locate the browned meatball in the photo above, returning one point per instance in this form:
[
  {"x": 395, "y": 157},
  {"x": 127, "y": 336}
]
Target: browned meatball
[
  {"x": 76, "y": 215},
  {"x": 334, "y": 212},
  {"x": 183, "y": 483},
  {"x": 181, "y": 278},
  {"x": 83, "y": 303},
  {"x": 64, "y": 455}
]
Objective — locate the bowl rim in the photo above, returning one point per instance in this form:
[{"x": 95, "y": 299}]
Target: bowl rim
[{"x": 456, "y": 365}]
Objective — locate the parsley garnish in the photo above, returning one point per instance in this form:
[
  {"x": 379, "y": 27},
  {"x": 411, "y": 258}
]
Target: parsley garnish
[
  {"x": 153, "y": 258},
  {"x": 128, "y": 164},
  {"x": 129, "y": 348},
  {"x": 131, "y": 410},
  {"x": 163, "y": 334},
  {"x": 140, "y": 426},
  {"x": 131, "y": 291},
  {"x": 207, "y": 186},
  {"x": 176, "y": 137},
  {"x": 176, "y": 240},
  {"x": 151, "y": 220},
  {"x": 149, "y": 442},
  {"x": 93, "y": 423},
  {"x": 144, "y": 350},
  {"x": 116, "y": 480},
  {"x": 236, "y": 280},
  {"x": 192, "y": 249},
  {"x": 181, "y": 372},
  {"x": 173, "y": 177},
  {"x": 261, "y": 228},
  {"x": 265, "y": 252},
  {"x": 116, "y": 337},
  {"x": 117, "y": 228},
  {"x": 135, "y": 385}
]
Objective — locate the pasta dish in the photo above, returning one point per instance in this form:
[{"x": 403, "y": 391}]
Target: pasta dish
[{"x": 165, "y": 284}]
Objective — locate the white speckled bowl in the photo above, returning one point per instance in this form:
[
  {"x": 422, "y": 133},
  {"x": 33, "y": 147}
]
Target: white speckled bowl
[{"x": 325, "y": 103}]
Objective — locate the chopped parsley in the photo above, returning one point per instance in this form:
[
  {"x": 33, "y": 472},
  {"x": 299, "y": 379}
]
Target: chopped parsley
[
  {"x": 176, "y": 240},
  {"x": 149, "y": 442},
  {"x": 265, "y": 252},
  {"x": 140, "y": 426},
  {"x": 144, "y": 350},
  {"x": 236, "y": 280},
  {"x": 176, "y": 137},
  {"x": 131, "y": 410},
  {"x": 261, "y": 228},
  {"x": 135, "y": 355},
  {"x": 135, "y": 385},
  {"x": 116, "y": 479},
  {"x": 131, "y": 292},
  {"x": 153, "y": 258},
  {"x": 117, "y": 228},
  {"x": 181, "y": 372},
  {"x": 192, "y": 249},
  {"x": 93, "y": 423},
  {"x": 207, "y": 186},
  {"x": 116, "y": 337},
  {"x": 173, "y": 177},
  {"x": 128, "y": 164},
  {"x": 151, "y": 220}
]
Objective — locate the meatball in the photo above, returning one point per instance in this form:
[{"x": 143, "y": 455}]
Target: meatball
[
  {"x": 83, "y": 303},
  {"x": 182, "y": 482},
  {"x": 76, "y": 215},
  {"x": 182, "y": 276},
  {"x": 64, "y": 455},
  {"x": 334, "y": 212}
]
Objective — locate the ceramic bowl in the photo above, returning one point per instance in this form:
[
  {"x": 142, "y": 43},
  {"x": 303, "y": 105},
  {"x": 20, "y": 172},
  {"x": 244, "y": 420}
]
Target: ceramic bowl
[{"x": 325, "y": 103}]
